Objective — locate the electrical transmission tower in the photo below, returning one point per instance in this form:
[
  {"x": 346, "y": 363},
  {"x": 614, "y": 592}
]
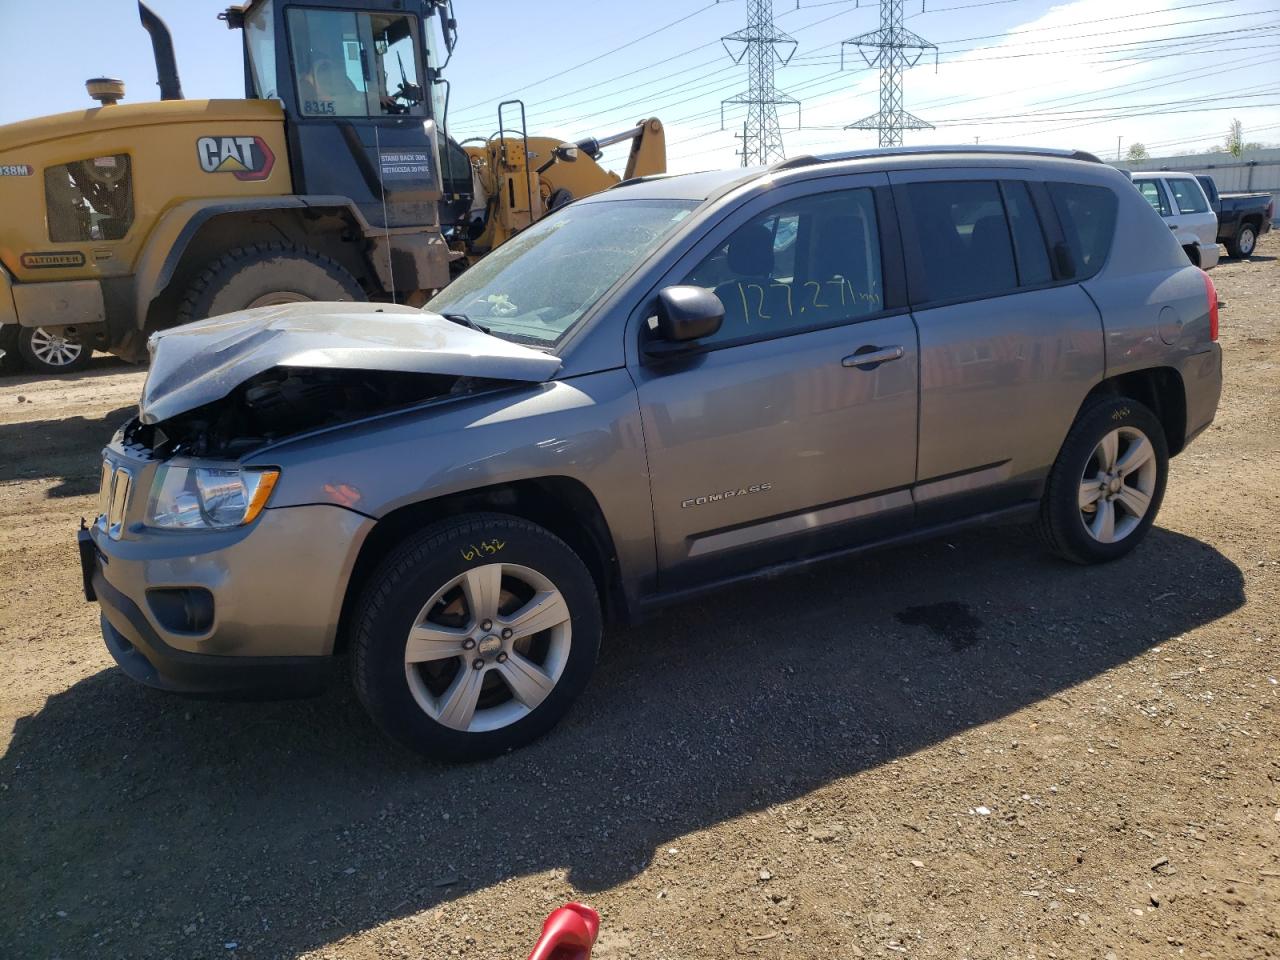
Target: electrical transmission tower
[
  {"x": 761, "y": 45},
  {"x": 895, "y": 49}
]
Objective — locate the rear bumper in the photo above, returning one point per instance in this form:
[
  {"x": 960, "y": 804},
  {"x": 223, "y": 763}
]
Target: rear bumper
[
  {"x": 1210, "y": 254},
  {"x": 1202, "y": 381},
  {"x": 146, "y": 658}
]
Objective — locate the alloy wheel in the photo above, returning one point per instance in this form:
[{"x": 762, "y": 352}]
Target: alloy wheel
[
  {"x": 488, "y": 647},
  {"x": 55, "y": 349},
  {"x": 1247, "y": 241},
  {"x": 1117, "y": 484}
]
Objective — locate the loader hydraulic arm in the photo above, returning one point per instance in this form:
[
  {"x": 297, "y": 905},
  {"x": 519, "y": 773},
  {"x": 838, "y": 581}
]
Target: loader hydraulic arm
[{"x": 648, "y": 148}]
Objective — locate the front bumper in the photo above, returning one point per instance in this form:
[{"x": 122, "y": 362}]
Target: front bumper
[
  {"x": 1210, "y": 254},
  {"x": 146, "y": 658},
  {"x": 272, "y": 592}
]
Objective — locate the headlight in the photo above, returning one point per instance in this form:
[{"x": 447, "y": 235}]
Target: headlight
[{"x": 204, "y": 498}]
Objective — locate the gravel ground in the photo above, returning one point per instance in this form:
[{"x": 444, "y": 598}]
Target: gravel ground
[{"x": 964, "y": 749}]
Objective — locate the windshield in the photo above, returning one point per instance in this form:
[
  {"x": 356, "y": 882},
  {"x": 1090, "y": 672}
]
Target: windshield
[
  {"x": 260, "y": 41},
  {"x": 535, "y": 287}
]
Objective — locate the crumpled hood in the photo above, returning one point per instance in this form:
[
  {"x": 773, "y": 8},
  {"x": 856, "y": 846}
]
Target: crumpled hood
[{"x": 201, "y": 362}]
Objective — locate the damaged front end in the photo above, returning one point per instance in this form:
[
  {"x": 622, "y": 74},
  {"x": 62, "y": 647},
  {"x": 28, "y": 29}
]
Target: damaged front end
[
  {"x": 287, "y": 401},
  {"x": 223, "y": 387}
]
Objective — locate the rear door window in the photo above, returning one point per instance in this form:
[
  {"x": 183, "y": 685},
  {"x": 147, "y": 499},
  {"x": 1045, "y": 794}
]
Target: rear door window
[
  {"x": 1154, "y": 194},
  {"x": 1188, "y": 195},
  {"x": 1088, "y": 218},
  {"x": 965, "y": 247}
]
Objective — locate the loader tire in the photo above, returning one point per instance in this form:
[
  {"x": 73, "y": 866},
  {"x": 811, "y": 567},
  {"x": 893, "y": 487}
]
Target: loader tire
[{"x": 264, "y": 275}]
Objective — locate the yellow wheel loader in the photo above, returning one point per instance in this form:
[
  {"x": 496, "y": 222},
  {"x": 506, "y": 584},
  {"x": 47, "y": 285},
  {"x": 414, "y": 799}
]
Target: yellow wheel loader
[{"x": 331, "y": 180}]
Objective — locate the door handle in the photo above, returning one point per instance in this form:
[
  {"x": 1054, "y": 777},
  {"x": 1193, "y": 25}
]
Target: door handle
[
  {"x": 1173, "y": 226},
  {"x": 869, "y": 357}
]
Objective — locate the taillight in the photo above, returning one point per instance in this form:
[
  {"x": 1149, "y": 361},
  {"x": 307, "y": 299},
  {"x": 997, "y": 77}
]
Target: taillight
[{"x": 1211, "y": 292}]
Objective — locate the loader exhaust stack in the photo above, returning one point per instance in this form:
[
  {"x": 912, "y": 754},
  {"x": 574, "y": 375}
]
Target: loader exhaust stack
[{"x": 162, "y": 48}]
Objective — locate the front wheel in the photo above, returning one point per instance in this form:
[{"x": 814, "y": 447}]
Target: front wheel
[
  {"x": 475, "y": 637},
  {"x": 53, "y": 350},
  {"x": 1107, "y": 484}
]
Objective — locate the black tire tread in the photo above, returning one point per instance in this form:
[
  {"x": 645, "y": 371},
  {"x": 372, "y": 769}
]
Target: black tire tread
[
  {"x": 1050, "y": 529},
  {"x": 413, "y": 552},
  {"x": 1233, "y": 243},
  {"x": 249, "y": 253}
]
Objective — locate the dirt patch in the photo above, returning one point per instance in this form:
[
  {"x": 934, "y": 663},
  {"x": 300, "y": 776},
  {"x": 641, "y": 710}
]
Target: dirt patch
[{"x": 785, "y": 770}]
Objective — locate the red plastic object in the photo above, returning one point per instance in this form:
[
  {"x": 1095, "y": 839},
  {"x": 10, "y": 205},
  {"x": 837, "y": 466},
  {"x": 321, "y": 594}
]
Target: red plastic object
[{"x": 569, "y": 934}]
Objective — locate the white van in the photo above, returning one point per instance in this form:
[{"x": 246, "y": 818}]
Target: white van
[{"x": 1179, "y": 198}]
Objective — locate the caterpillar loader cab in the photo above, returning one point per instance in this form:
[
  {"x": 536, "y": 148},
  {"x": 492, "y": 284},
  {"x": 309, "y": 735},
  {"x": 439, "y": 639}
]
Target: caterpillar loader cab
[
  {"x": 333, "y": 179},
  {"x": 324, "y": 183}
]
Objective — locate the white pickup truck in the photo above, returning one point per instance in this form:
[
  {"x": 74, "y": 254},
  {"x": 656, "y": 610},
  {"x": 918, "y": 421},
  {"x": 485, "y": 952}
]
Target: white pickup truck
[{"x": 1179, "y": 198}]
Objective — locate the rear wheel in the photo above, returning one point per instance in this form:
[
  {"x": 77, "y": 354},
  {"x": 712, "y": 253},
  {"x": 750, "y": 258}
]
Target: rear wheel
[
  {"x": 265, "y": 275},
  {"x": 1245, "y": 241},
  {"x": 53, "y": 349},
  {"x": 475, "y": 637},
  {"x": 1107, "y": 484}
]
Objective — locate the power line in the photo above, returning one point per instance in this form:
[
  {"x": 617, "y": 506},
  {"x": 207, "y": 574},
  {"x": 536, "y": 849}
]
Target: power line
[
  {"x": 595, "y": 118},
  {"x": 710, "y": 89},
  {"x": 592, "y": 87},
  {"x": 1249, "y": 62},
  {"x": 595, "y": 59},
  {"x": 948, "y": 101}
]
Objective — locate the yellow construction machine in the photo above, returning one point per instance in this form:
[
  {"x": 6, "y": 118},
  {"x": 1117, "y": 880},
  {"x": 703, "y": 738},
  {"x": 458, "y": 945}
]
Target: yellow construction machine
[
  {"x": 333, "y": 179},
  {"x": 520, "y": 179}
]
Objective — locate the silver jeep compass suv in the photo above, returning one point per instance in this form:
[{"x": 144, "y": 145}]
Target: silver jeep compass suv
[{"x": 677, "y": 383}]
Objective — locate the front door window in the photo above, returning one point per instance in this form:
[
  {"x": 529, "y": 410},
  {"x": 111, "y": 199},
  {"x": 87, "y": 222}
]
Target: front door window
[{"x": 809, "y": 262}]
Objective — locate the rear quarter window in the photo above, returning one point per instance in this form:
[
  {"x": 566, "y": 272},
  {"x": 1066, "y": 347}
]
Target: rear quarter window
[{"x": 1088, "y": 218}]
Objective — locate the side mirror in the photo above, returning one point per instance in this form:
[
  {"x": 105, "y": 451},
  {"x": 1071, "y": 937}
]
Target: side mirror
[{"x": 684, "y": 314}]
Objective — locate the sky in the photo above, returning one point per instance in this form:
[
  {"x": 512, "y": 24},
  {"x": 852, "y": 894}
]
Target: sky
[{"x": 1086, "y": 74}]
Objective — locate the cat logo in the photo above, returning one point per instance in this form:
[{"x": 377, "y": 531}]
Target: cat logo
[{"x": 246, "y": 158}]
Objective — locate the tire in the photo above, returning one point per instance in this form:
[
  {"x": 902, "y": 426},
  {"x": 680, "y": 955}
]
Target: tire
[
  {"x": 1244, "y": 242},
  {"x": 1074, "y": 526},
  {"x": 426, "y": 585},
  {"x": 266, "y": 274},
  {"x": 53, "y": 351},
  {"x": 10, "y": 359}
]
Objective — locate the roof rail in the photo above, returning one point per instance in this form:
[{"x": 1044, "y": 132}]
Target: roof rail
[
  {"x": 644, "y": 179},
  {"x": 873, "y": 152}
]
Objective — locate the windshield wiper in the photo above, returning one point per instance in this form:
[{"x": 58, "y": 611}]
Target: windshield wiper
[{"x": 462, "y": 320}]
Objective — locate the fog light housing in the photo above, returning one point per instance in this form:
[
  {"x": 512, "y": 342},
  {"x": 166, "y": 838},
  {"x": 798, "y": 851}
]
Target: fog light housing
[{"x": 182, "y": 609}]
